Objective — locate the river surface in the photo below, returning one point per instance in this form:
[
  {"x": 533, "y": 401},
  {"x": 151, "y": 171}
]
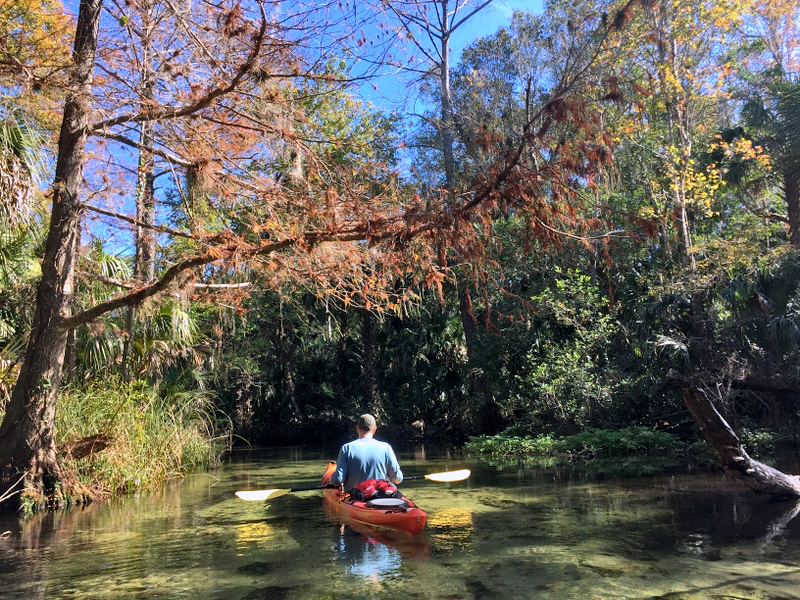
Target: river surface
[{"x": 511, "y": 531}]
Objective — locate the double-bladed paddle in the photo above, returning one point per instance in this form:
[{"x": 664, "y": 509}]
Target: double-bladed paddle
[
  {"x": 268, "y": 494},
  {"x": 443, "y": 477}
]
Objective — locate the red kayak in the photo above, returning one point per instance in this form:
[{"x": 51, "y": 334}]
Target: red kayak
[{"x": 393, "y": 513}]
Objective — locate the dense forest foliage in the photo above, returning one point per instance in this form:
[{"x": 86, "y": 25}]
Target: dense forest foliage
[{"x": 585, "y": 214}]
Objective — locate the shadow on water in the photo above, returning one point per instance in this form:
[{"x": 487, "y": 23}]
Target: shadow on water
[{"x": 514, "y": 530}]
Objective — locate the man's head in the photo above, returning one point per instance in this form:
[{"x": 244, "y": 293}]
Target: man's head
[{"x": 366, "y": 424}]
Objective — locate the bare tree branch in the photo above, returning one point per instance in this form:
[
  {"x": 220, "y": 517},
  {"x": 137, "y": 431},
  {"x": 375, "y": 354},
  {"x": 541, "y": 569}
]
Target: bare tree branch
[
  {"x": 212, "y": 255},
  {"x": 132, "y": 221},
  {"x": 218, "y": 286},
  {"x": 203, "y": 102}
]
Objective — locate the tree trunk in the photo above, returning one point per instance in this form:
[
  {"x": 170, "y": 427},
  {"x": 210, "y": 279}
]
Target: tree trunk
[
  {"x": 71, "y": 353},
  {"x": 702, "y": 331},
  {"x": 477, "y": 379},
  {"x": 479, "y": 416},
  {"x": 342, "y": 360},
  {"x": 285, "y": 342},
  {"x": 287, "y": 373},
  {"x": 144, "y": 265},
  {"x": 127, "y": 344},
  {"x": 448, "y": 139},
  {"x": 368, "y": 362},
  {"x": 791, "y": 190},
  {"x": 26, "y": 433},
  {"x": 728, "y": 450}
]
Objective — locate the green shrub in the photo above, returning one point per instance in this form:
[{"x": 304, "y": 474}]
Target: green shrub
[
  {"x": 622, "y": 442},
  {"x": 758, "y": 442},
  {"x": 595, "y": 442},
  {"x": 541, "y": 445}
]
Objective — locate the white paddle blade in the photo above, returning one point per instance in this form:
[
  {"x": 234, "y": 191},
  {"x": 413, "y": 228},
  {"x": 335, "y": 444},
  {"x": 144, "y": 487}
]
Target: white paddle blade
[
  {"x": 449, "y": 476},
  {"x": 261, "y": 494}
]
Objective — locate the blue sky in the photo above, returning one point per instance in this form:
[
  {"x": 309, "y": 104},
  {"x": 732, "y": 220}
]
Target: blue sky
[
  {"x": 489, "y": 20},
  {"x": 391, "y": 92}
]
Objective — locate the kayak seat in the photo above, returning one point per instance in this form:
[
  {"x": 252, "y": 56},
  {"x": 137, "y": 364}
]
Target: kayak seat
[{"x": 388, "y": 503}]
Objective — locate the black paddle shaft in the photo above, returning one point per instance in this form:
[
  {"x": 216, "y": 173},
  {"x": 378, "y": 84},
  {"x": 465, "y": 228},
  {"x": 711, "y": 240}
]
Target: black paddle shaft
[{"x": 325, "y": 486}]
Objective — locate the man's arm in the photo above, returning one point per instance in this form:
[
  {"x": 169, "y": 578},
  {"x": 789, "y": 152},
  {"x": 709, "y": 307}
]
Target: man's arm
[
  {"x": 340, "y": 474},
  {"x": 393, "y": 467}
]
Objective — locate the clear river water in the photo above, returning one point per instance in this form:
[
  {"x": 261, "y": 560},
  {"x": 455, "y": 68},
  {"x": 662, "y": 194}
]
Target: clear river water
[{"x": 513, "y": 530}]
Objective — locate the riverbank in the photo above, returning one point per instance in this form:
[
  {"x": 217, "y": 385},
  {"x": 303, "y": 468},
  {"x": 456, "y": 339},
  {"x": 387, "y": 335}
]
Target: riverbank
[
  {"x": 594, "y": 443},
  {"x": 114, "y": 438}
]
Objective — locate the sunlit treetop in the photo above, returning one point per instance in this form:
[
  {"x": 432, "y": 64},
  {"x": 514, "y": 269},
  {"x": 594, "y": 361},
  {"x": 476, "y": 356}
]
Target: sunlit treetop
[
  {"x": 771, "y": 32},
  {"x": 35, "y": 47}
]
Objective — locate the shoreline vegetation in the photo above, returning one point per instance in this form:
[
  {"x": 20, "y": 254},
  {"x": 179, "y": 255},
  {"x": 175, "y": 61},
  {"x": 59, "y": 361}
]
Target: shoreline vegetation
[
  {"x": 115, "y": 438},
  {"x": 517, "y": 441}
]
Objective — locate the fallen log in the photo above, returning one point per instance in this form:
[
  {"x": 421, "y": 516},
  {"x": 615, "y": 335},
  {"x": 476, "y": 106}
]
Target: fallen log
[{"x": 728, "y": 450}]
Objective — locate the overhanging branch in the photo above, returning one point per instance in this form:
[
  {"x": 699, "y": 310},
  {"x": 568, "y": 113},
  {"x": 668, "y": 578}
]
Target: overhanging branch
[{"x": 213, "y": 254}]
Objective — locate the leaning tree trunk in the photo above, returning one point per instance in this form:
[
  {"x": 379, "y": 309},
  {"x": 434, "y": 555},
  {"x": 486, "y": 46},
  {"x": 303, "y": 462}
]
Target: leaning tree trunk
[
  {"x": 27, "y": 446},
  {"x": 728, "y": 450}
]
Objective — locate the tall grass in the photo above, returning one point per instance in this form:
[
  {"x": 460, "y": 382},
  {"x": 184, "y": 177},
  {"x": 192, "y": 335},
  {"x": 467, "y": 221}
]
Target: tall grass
[{"x": 152, "y": 438}]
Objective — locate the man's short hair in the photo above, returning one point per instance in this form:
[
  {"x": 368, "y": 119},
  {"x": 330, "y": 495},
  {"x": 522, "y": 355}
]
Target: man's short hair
[{"x": 366, "y": 422}]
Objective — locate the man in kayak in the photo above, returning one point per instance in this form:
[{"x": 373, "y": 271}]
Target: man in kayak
[{"x": 365, "y": 458}]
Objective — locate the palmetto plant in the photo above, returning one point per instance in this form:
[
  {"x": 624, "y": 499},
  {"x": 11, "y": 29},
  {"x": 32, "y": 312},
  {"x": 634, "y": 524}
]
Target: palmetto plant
[
  {"x": 169, "y": 340},
  {"x": 777, "y": 115},
  {"x": 165, "y": 339},
  {"x": 23, "y": 165},
  {"x": 773, "y": 116}
]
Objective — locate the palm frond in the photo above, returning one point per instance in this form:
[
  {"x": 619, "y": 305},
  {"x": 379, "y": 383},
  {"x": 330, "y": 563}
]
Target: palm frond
[
  {"x": 12, "y": 351},
  {"x": 100, "y": 351},
  {"x": 97, "y": 260},
  {"x": 675, "y": 347},
  {"x": 115, "y": 267},
  {"x": 756, "y": 114},
  {"x": 788, "y": 107},
  {"x": 784, "y": 333},
  {"x": 18, "y": 252},
  {"x": 23, "y": 168}
]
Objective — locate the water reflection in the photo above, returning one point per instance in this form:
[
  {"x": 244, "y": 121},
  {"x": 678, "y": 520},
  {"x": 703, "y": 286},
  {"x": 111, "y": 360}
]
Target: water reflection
[
  {"x": 372, "y": 552},
  {"x": 260, "y": 535},
  {"x": 366, "y": 557},
  {"x": 450, "y": 528}
]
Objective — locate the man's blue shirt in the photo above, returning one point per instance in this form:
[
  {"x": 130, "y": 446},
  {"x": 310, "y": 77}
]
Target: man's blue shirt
[{"x": 366, "y": 458}]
